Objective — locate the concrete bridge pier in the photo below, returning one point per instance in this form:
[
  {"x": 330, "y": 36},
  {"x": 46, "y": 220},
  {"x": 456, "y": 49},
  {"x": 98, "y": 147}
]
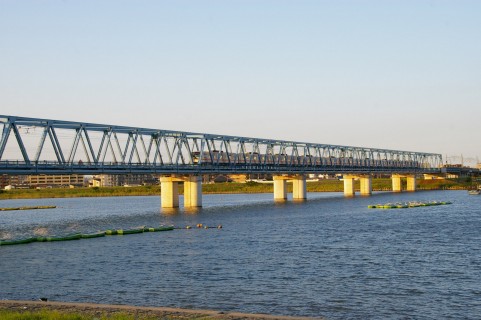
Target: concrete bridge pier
[
  {"x": 411, "y": 183},
  {"x": 170, "y": 191},
  {"x": 169, "y": 195},
  {"x": 366, "y": 185},
  {"x": 396, "y": 182},
  {"x": 193, "y": 191},
  {"x": 299, "y": 191},
  {"x": 280, "y": 188},
  {"x": 349, "y": 185}
]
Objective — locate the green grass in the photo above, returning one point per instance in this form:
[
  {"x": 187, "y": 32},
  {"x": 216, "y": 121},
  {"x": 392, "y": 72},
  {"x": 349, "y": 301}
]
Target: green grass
[
  {"x": 79, "y": 192},
  {"x": 56, "y": 315}
]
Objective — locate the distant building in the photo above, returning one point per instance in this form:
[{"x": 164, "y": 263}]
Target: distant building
[
  {"x": 16, "y": 181},
  {"x": 109, "y": 180},
  {"x": 453, "y": 171},
  {"x": 259, "y": 177},
  {"x": 433, "y": 177},
  {"x": 104, "y": 180},
  {"x": 43, "y": 180},
  {"x": 4, "y": 181},
  {"x": 95, "y": 182}
]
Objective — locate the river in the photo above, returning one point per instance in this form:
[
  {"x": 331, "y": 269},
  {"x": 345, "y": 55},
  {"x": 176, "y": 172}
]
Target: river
[{"x": 329, "y": 256}]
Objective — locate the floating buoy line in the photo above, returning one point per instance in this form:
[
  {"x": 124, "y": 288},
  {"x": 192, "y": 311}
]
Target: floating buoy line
[
  {"x": 411, "y": 204},
  {"x": 109, "y": 232},
  {"x": 28, "y": 208}
]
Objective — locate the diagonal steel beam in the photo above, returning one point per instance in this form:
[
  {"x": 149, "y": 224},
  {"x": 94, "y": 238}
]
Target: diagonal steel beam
[
  {"x": 56, "y": 145},
  {"x": 40, "y": 144},
  {"x": 20, "y": 144},
  {"x": 7, "y": 128}
]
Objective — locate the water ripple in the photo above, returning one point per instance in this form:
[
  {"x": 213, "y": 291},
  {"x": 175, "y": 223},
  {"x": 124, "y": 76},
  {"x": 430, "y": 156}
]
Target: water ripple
[{"x": 328, "y": 256}]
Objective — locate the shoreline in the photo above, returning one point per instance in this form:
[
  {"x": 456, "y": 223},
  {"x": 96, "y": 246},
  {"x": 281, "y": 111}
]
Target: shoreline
[
  {"x": 378, "y": 184},
  {"x": 328, "y": 185},
  {"x": 138, "y": 312},
  {"x": 60, "y": 196}
]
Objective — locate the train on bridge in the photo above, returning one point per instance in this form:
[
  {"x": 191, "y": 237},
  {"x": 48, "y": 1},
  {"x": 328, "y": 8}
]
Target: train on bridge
[{"x": 222, "y": 158}]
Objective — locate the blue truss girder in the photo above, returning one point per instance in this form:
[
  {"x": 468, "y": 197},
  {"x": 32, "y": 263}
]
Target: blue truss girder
[{"x": 97, "y": 148}]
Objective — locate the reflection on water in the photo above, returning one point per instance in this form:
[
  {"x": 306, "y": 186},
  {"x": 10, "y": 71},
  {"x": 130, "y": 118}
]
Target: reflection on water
[{"x": 329, "y": 256}]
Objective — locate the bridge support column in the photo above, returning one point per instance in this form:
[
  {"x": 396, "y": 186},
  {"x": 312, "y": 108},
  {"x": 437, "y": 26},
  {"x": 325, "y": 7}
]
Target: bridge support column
[
  {"x": 299, "y": 188},
  {"x": 366, "y": 185},
  {"x": 396, "y": 183},
  {"x": 169, "y": 192},
  {"x": 280, "y": 189},
  {"x": 411, "y": 183},
  {"x": 193, "y": 191},
  {"x": 349, "y": 186}
]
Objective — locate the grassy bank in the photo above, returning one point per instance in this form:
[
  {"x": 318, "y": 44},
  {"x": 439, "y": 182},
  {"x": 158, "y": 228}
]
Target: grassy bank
[
  {"x": 56, "y": 315},
  {"x": 38, "y": 310},
  {"x": 250, "y": 187}
]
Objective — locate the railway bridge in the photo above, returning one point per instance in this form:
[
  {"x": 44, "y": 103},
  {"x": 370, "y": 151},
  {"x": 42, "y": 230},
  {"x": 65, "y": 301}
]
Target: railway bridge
[{"x": 32, "y": 146}]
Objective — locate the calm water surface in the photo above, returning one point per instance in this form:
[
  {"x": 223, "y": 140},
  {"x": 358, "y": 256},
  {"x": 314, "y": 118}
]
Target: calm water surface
[{"x": 329, "y": 256}]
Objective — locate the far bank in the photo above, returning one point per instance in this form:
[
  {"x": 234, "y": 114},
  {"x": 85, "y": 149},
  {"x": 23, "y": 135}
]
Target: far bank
[{"x": 220, "y": 188}]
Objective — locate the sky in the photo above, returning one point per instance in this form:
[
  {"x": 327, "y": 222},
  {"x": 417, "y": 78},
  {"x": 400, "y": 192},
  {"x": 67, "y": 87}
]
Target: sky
[{"x": 403, "y": 75}]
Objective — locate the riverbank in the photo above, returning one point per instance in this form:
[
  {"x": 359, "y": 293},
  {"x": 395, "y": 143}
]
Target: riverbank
[
  {"x": 90, "y": 311},
  {"x": 218, "y": 188}
]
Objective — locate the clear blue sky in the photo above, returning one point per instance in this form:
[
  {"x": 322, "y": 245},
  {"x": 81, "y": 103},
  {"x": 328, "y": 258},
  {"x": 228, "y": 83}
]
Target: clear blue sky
[{"x": 392, "y": 74}]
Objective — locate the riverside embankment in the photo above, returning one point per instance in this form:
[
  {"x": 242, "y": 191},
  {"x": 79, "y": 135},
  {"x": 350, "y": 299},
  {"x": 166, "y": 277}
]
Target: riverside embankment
[
  {"x": 217, "y": 188},
  {"x": 19, "y": 310}
]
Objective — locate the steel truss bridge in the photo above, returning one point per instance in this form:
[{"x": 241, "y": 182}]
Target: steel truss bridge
[{"x": 31, "y": 146}]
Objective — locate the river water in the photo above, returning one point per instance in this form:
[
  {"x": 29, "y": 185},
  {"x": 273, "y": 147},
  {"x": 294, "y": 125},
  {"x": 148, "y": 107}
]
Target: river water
[{"x": 329, "y": 256}]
